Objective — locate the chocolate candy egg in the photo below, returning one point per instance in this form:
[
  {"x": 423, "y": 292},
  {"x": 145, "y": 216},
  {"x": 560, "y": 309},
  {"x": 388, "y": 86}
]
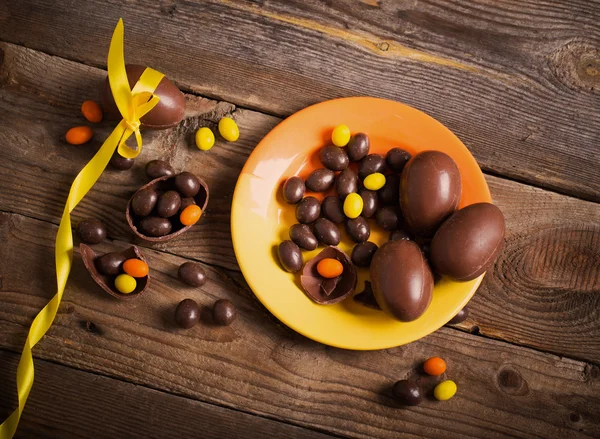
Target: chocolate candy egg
[
  {"x": 158, "y": 168},
  {"x": 308, "y": 210},
  {"x": 401, "y": 279},
  {"x": 332, "y": 209},
  {"x": 144, "y": 201},
  {"x": 224, "y": 312},
  {"x": 334, "y": 158},
  {"x": 155, "y": 226},
  {"x": 168, "y": 204},
  {"x": 187, "y": 313},
  {"x": 187, "y": 184},
  {"x": 396, "y": 159},
  {"x": 293, "y": 190},
  {"x": 192, "y": 274},
  {"x": 358, "y": 147},
  {"x": 430, "y": 191},
  {"x": 121, "y": 163},
  {"x": 110, "y": 263},
  {"x": 398, "y": 234},
  {"x": 370, "y": 202},
  {"x": 389, "y": 194},
  {"x": 358, "y": 229},
  {"x": 346, "y": 183},
  {"x": 468, "y": 242},
  {"x": 362, "y": 253},
  {"x": 303, "y": 236},
  {"x": 370, "y": 165},
  {"x": 327, "y": 232},
  {"x": 167, "y": 113},
  {"x": 320, "y": 180},
  {"x": 290, "y": 256},
  {"x": 388, "y": 218},
  {"x": 91, "y": 231},
  {"x": 460, "y": 316}
]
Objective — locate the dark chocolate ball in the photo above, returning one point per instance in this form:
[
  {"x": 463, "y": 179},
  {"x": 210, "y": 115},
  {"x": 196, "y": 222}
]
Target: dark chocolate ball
[
  {"x": 461, "y": 316},
  {"x": 187, "y": 313},
  {"x": 362, "y": 253},
  {"x": 168, "y": 204},
  {"x": 224, "y": 313},
  {"x": 192, "y": 274},
  {"x": 110, "y": 263},
  {"x": 91, "y": 231},
  {"x": 187, "y": 184},
  {"x": 121, "y": 163},
  {"x": 144, "y": 201},
  {"x": 408, "y": 392},
  {"x": 158, "y": 168},
  {"x": 396, "y": 159}
]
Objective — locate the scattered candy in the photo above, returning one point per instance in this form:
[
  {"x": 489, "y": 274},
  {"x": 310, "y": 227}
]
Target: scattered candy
[
  {"x": 159, "y": 168},
  {"x": 358, "y": 147},
  {"x": 229, "y": 129},
  {"x": 303, "y": 237},
  {"x": 192, "y": 274},
  {"x": 370, "y": 165},
  {"x": 290, "y": 256},
  {"x": 408, "y": 392},
  {"x": 460, "y": 316},
  {"x": 358, "y": 229},
  {"x": 143, "y": 202},
  {"x": 168, "y": 204},
  {"x": 187, "y": 184},
  {"x": 110, "y": 263},
  {"x": 187, "y": 313},
  {"x": 374, "y": 182},
  {"x": 79, "y": 135},
  {"x": 91, "y": 111},
  {"x": 434, "y": 366},
  {"x": 340, "y": 135},
  {"x": 190, "y": 215},
  {"x": 346, "y": 183},
  {"x": 353, "y": 205},
  {"x": 293, "y": 190},
  {"x": 320, "y": 180},
  {"x": 91, "y": 231},
  {"x": 121, "y": 163},
  {"x": 445, "y": 390},
  {"x": 205, "y": 139},
  {"x": 125, "y": 283},
  {"x": 308, "y": 210},
  {"x": 396, "y": 159},
  {"x": 330, "y": 268},
  {"x": 224, "y": 312},
  {"x": 334, "y": 158},
  {"x": 362, "y": 253},
  {"x": 135, "y": 268},
  {"x": 327, "y": 232}
]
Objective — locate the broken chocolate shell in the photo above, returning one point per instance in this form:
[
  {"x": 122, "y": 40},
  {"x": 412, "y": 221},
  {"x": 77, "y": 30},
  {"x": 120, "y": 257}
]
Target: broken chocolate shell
[{"x": 312, "y": 281}]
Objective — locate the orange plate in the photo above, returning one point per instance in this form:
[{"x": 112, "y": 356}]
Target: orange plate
[{"x": 260, "y": 219}]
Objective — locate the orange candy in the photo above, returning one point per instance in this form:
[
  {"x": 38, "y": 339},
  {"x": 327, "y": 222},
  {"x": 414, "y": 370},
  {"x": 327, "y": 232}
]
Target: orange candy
[
  {"x": 190, "y": 215},
  {"x": 91, "y": 111},
  {"x": 330, "y": 268},
  {"x": 434, "y": 366},
  {"x": 135, "y": 268},
  {"x": 79, "y": 135}
]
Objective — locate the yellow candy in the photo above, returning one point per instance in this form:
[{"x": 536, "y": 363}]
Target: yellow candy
[
  {"x": 375, "y": 181},
  {"x": 353, "y": 205},
  {"x": 229, "y": 129},
  {"x": 125, "y": 283},
  {"x": 205, "y": 139},
  {"x": 445, "y": 390},
  {"x": 340, "y": 135}
]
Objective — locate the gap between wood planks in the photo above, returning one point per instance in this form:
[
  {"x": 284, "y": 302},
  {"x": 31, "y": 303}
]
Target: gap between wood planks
[
  {"x": 474, "y": 330},
  {"x": 283, "y": 115}
]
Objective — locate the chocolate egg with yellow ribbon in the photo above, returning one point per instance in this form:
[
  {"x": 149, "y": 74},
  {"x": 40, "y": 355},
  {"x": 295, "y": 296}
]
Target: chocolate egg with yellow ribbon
[{"x": 166, "y": 114}]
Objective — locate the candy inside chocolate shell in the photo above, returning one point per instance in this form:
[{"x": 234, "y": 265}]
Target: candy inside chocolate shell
[
  {"x": 106, "y": 282},
  {"x": 317, "y": 287}
]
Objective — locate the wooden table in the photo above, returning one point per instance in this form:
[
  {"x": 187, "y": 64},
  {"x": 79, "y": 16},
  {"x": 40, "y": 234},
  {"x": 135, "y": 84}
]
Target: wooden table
[{"x": 517, "y": 81}]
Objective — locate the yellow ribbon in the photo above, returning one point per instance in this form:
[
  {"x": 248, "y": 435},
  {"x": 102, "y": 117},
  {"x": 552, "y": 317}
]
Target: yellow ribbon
[{"x": 132, "y": 104}]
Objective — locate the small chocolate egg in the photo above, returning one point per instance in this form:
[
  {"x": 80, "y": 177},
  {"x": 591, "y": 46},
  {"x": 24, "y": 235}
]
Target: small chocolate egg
[
  {"x": 460, "y": 316},
  {"x": 91, "y": 231},
  {"x": 408, "y": 392},
  {"x": 158, "y": 168},
  {"x": 398, "y": 234},
  {"x": 327, "y": 232},
  {"x": 185, "y": 202},
  {"x": 224, "y": 312},
  {"x": 293, "y": 190},
  {"x": 401, "y": 279},
  {"x": 303, "y": 236},
  {"x": 370, "y": 202},
  {"x": 320, "y": 180},
  {"x": 358, "y": 229},
  {"x": 167, "y": 113},
  {"x": 389, "y": 218},
  {"x": 362, "y": 253},
  {"x": 187, "y": 313},
  {"x": 389, "y": 194},
  {"x": 308, "y": 210},
  {"x": 168, "y": 204},
  {"x": 121, "y": 163},
  {"x": 334, "y": 158},
  {"x": 332, "y": 209},
  {"x": 144, "y": 201},
  {"x": 192, "y": 274},
  {"x": 430, "y": 191},
  {"x": 396, "y": 159},
  {"x": 187, "y": 184},
  {"x": 370, "y": 165},
  {"x": 346, "y": 183},
  {"x": 110, "y": 263},
  {"x": 358, "y": 147},
  {"x": 154, "y": 226},
  {"x": 290, "y": 256},
  {"x": 467, "y": 243}
]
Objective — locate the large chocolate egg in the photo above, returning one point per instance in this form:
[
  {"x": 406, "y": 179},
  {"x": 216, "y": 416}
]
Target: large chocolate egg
[
  {"x": 468, "y": 242},
  {"x": 167, "y": 113},
  {"x": 401, "y": 279},
  {"x": 430, "y": 191}
]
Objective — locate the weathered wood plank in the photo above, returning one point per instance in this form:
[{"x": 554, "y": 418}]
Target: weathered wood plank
[
  {"x": 67, "y": 403},
  {"x": 544, "y": 284},
  {"x": 517, "y": 81},
  {"x": 259, "y": 367}
]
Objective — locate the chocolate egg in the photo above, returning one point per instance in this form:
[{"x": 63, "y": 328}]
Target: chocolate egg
[
  {"x": 389, "y": 194},
  {"x": 370, "y": 202},
  {"x": 332, "y": 209},
  {"x": 362, "y": 253},
  {"x": 430, "y": 191},
  {"x": 327, "y": 232},
  {"x": 168, "y": 204},
  {"x": 396, "y": 159},
  {"x": 308, "y": 210},
  {"x": 334, "y": 158},
  {"x": 293, "y": 190},
  {"x": 320, "y": 180},
  {"x": 389, "y": 218},
  {"x": 468, "y": 242},
  {"x": 290, "y": 256},
  {"x": 318, "y": 288},
  {"x": 144, "y": 201},
  {"x": 371, "y": 164},
  {"x": 167, "y": 113},
  {"x": 303, "y": 236},
  {"x": 346, "y": 183},
  {"x": 401, "y": 279},
  {"x": 358, "y": 147},
  {"x": 358, "y": 229}
]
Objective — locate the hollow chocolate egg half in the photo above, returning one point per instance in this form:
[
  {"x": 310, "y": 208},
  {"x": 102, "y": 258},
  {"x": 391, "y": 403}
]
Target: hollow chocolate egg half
[{"x": 329, "y": 291}]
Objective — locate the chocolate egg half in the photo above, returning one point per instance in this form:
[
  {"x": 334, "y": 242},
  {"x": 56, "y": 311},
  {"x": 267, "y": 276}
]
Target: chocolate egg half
[
  {"x": 430, "y": 191},
  {"x": 468, "y": 242},
  {"x": 166, "y": 114},
  {"x": 316, "y": 287},
  {"x": 401, "y": 279}
]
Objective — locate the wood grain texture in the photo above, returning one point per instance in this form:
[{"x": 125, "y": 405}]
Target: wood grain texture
[
  {"x": 516, "y": 81},
  {"x": 545, "y": 283},
  {"x": 66, "y": 403},
  {"x": 260, "y": 367}
]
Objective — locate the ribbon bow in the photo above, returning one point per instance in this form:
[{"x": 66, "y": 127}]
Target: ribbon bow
[{"x": 132, "y": 104}]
